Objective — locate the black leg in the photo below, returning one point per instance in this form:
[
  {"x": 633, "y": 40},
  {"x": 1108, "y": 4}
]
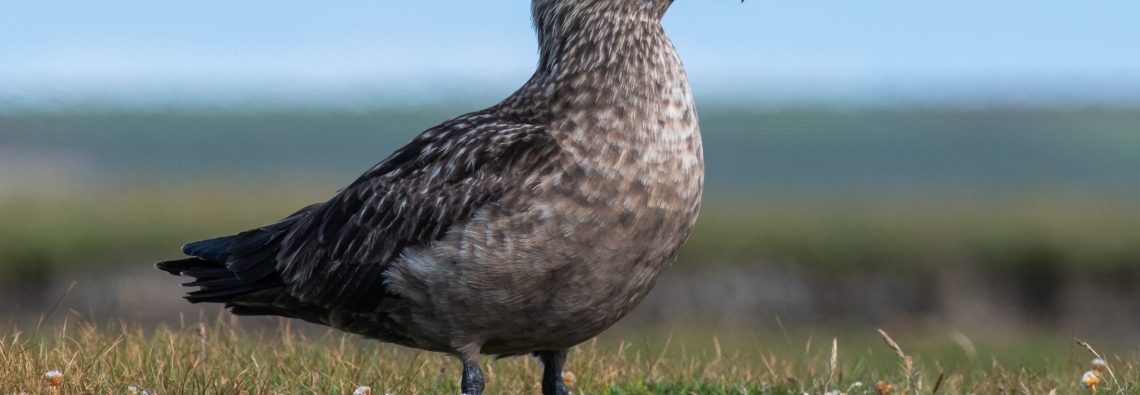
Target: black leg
[
  {"x": 552, "y": 362},
  {"x": 472, "y": 383}
]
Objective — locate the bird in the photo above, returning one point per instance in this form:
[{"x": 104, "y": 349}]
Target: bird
[{"x": 525, "y": 228}]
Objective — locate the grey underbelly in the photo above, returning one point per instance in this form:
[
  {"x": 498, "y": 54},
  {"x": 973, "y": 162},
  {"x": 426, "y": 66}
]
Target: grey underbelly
[
  {"x": 516, "y": 292},
  {"x": 525, "y": 311}
]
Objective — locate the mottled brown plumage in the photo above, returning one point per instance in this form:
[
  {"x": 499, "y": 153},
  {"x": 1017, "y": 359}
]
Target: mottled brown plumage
[{"x": 527, "y": 227}]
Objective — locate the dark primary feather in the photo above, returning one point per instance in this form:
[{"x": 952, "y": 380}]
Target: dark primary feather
[{"x": 332, "y": 255}]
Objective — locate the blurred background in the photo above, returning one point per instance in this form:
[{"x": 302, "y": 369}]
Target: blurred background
[{"x": 965, "y": 172}]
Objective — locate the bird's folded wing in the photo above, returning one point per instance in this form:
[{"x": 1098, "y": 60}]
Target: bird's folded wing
[{"x": 335, "y": 254}]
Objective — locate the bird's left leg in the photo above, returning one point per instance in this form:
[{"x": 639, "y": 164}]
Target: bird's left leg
[
  {"x": 552, "y": 362},
  {"x": 472, "y": 383}
]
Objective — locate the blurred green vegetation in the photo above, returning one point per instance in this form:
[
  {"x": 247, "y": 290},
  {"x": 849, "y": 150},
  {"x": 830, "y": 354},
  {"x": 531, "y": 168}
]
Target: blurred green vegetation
[
  {"x": 134, "y": 226},
  {"x": 915, "y": 234},
  {"x": 896, "y": 189}
]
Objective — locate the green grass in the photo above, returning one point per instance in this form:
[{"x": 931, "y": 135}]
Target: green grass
[{"x": 223, "y": 358}]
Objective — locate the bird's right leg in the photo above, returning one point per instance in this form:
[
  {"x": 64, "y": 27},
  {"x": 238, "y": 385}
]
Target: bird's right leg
[
  {"x": 552, "y": 362},
  {"x": 472, "y": 383}
]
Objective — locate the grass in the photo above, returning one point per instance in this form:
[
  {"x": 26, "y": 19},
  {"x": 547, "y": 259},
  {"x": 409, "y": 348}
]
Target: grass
[{"x": 224, "y": 358}]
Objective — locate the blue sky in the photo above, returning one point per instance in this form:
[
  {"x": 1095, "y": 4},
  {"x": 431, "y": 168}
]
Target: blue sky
[{"x": 147, "y": 51}]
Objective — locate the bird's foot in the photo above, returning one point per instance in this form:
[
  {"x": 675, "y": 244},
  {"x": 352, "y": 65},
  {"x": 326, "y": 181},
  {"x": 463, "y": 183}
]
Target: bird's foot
[{"x": 558, "y": 388}]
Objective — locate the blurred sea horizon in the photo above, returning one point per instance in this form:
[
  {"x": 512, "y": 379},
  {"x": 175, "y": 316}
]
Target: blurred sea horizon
[{"x": 282, "y": 93}]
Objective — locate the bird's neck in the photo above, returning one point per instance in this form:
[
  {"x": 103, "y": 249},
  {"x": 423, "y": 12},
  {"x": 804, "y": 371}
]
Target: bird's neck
[
  {"x": 569, "y": 36},
  {"x": 600, "y": 63},
  {"x": 615, "y": 96}
]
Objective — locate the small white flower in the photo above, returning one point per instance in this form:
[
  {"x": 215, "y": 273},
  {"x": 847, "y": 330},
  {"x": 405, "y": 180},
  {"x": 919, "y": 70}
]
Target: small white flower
[
  {"x": 133, "y": 390},
  {"x": 1089, "y": 380},
  {"x": 1099, "y": 365},
  {"x": 54, "y": 378}
]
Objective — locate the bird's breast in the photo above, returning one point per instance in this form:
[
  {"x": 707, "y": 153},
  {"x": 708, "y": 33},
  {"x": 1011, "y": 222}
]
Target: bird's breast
[{"x": 639, "y": 176}]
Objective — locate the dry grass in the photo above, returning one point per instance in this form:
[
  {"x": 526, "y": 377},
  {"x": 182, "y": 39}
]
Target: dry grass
[{"x": 223, "y": 358}]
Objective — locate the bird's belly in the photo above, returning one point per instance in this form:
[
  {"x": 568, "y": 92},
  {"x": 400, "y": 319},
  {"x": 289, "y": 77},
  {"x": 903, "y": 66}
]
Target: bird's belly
[
  {"x": 547, "y": 277},
  {"x": 576, "y": 285}
]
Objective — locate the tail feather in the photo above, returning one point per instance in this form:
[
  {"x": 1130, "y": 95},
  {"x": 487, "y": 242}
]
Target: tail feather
[
  {"x": 240, "y": 272},
  {"x": 179, "y": 266},
  {"x": 211, "y": 266},
  {"x": 216, "y": 249},
  {"x": 208, "y": 282}
]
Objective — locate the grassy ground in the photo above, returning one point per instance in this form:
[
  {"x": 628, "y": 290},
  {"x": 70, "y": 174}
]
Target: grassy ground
[{"x": 222, "y": 358}]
